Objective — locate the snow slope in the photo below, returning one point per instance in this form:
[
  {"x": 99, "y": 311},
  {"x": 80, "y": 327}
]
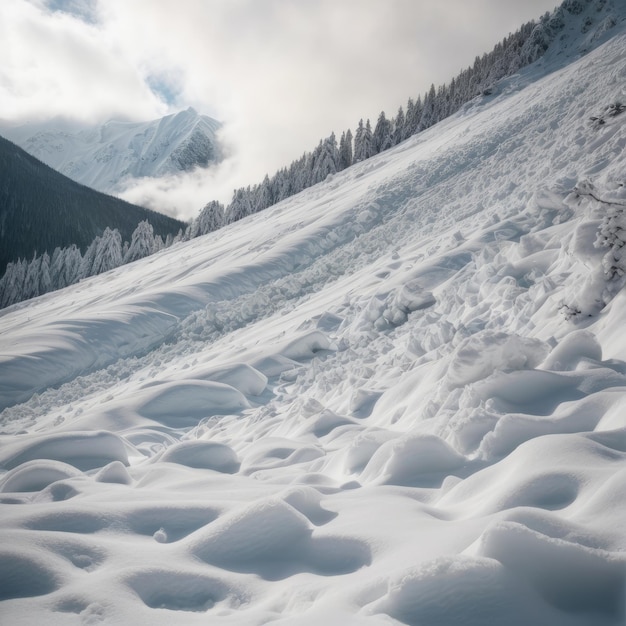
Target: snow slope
[
  {"x": 106, "y": 157},
  {"x": 396, "y": 398}
]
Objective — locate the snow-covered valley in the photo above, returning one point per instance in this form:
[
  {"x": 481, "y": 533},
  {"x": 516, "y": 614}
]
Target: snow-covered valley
[{"x": 398, "y": 397}]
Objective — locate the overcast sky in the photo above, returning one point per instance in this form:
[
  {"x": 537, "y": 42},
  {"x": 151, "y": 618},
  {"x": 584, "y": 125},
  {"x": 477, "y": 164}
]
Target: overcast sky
[{"x": 280, "y": 74}]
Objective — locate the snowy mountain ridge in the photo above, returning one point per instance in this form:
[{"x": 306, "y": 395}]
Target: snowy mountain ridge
[
  {"x": 397, "y": 397},
  {"x": 105, "y": 157},
  {"x": 43, "y": 212}
]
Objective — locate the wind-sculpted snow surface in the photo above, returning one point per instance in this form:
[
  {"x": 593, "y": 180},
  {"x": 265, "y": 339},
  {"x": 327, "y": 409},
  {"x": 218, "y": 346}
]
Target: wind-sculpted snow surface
[{"x": 397, "y": 398}]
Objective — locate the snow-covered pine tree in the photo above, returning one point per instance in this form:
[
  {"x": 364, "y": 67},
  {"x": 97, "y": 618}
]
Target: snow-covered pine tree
[
  {"x": 31, "y": 282},
  {"x": 345, "y": 150},
  {"x": 381, "y": 138},
  {"x": 142, "y": 242},
  {"x": 72, "y": 264},
  {"x": 240, "y": 206},
  {"x": 298, "y": 174},
  {"x": 56, "y": 268},
  {"x": 358, "y": 141},
  {"x": 13, "y": 283},
  {"x": 429, "y": 115},
  {"x": 6, "y": 292},
  {"x": 398, "y": 127},
  {"x": 363, "y": 148},
  {"x": 87, "y": 262},
  {"x": 210, "y": 218},
  {"x": 20, "y": 279},
  {"x": 179, "y": 236},
  {"x": 412, "y": 118},
  {"x": 263, "y": 195},
  {"x": 4, "y": 282},
  {"x": 312, "y": 165},
  {"x": 109, "y": 252},
  {"x": 442, "y": 107},
  {"x": 159, "y": 244},
  {"x": 326, "y": 159},
  {"x": 45, "y": 283},
  {"x": 281, "y": 185},
  {"x": 368, "y": 141}
]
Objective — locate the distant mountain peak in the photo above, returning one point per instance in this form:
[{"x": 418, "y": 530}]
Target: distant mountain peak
[
  {"x": 107, "y": 156},
  {"x": 41, "y": 209}
]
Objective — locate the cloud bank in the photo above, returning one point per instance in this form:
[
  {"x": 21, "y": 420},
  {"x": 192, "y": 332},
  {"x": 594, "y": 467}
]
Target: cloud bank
[{"x": 280, "y": 74}]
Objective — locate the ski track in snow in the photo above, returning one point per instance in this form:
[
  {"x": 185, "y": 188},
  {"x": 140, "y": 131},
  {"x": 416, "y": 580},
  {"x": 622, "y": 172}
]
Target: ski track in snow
[{"x": 361, "y": 406}]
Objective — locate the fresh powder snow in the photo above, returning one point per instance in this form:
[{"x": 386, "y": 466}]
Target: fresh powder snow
[{"x": 398, "y": 397}]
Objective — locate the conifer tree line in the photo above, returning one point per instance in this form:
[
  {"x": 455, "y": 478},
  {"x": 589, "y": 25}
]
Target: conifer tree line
[
  {"x": 330, "y": 156},
  {"x": 25, "y": 279}
]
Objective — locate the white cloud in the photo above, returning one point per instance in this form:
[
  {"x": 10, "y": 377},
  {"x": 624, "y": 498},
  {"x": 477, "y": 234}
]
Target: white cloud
[
  {"x": 183, "y": 195},
  {"x": 57, "y": 65},
  {"x": 281, "y": 74}
]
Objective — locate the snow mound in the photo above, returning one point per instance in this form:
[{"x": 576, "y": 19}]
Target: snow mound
[
  {"x": 173, "y": 590},
  {"x": 273, "y": 540},
  {"x": 421, "y": 596},
  {"x": 202, "y": 455},
  {"x": 35, "y": 475},
  {"x": 83, "y": 450},
  {"x": 415, "y": 460},
  {"x": 24, "y": 574},
  {"x": 570, "y": 577},
  {"x": 241, "y": 376},
  {"x": 185, "y": 403},
  {"x": 488, "y": 351}
]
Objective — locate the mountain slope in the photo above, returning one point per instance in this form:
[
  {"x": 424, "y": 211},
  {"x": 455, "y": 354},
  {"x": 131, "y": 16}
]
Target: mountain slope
[
  {"x": 104, "y": 157},
  {"x": 396, "y": 398},
  {"x": 41, "y": 209}
]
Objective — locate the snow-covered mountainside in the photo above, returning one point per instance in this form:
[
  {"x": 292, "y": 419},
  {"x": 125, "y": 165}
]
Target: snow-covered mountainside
[
  {"x": 40, "y": 210},
  {"x": 104, "y": 157},
  {"x": 398, "y": 397}
]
